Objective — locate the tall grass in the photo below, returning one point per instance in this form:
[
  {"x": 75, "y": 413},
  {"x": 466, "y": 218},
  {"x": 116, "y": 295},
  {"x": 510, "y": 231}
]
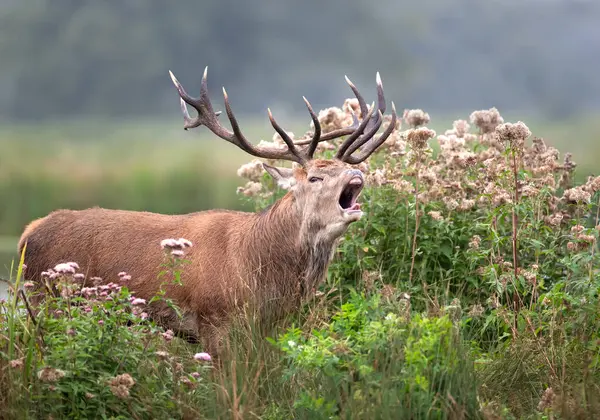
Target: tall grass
[{"x": 482, "y": 301}]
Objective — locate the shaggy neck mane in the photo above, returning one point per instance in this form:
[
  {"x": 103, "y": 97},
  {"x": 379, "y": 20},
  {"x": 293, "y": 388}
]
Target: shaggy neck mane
[{"x": 283, "y": 247}]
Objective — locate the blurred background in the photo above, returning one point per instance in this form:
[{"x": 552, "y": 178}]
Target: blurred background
[{"x": 88, "y": 115}]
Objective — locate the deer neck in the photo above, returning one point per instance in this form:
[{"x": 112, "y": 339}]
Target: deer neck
[{"x": 299, "y": 249}]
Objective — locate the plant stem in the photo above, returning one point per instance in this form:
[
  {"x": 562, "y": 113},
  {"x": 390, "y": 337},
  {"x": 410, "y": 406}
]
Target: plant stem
[{"x": 417, "y": 220}]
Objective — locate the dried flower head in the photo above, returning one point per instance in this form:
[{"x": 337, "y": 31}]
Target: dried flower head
[
  {"x": 436, "y": 215},
  {"x": 416, "y": 117},
  {"x": 252, "y": 170},
  {"x": 120, "y": 385},
  {"x": 16, "y": 363},
  {"x": 486, "y": 120},
  {"x": 49, "y": 374},
  {"x": 547, "y": 399},
  {"x": 513, "y": 134},
  {"x": 168, "y": 335},
  {"x": 418, "y": 137}
]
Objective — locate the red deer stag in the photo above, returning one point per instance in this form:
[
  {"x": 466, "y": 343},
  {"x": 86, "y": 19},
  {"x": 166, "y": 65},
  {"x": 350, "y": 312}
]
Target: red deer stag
[{"x": 271, "y": 259}]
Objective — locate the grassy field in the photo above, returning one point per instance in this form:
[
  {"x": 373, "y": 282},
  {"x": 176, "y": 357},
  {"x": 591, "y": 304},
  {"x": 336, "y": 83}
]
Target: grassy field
[{"x": 469, "y": 290}]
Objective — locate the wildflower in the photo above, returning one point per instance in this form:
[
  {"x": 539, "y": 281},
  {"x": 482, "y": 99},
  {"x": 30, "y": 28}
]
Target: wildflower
[
  {"x": 122, "y": 273},
  {"x": 418, "y": 137},
  {"x": 291, "y": 343},
  {"x": 89, "y": 395},
  {"x": 16, "y": 363},
  {"x": 416, "y": 117},
  {"x": 163, "y": 355},
  {"x": 100, "y": 322},
  {"x": 28, "y": 285},
  {"x": 251, "y": 189},
  {"x": 138, "y": 301},
  {"x": 49, "y": 374},
  {"x": 554, "y": 219},
  {"x": 66, "y": 268},
  {"x": 71, "y": 332},
  {"x": 476, "y": 311},
  {"x": 577, "y": 229},
  {"x": 87, "y": 309},
  {"x": 178, "y": 253},
  {"x": 168, "y": 335},
  {"x": 121, "y": 384},
  {"x": 577, "y": 195},
  {"x": 252, "y": 171},
  {"x": 196, "y": 375},
  {"x": 475, "y": 242},
  {"x": 202, "y": 357},
  {"x": 436, "y": 215},
  {"x": 144, "y": 316},
  {"x": 486, "y": 120},
  {"x": 460, "y": 128},
  {"x": 547, "y": 399},
  {"x": 96, "y": 281},
  {"x": 332, "y": 119},
  {"x": 514, "y": 134}
]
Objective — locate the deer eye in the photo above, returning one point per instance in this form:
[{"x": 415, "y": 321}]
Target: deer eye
[{"x": 314, "y": 179}]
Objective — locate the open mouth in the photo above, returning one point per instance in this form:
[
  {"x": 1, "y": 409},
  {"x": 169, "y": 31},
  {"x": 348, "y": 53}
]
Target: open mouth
[{"x": 349, "y": 195}]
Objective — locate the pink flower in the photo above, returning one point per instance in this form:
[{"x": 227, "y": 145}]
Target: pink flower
[
  {"x": 203, "y": 357},
  {"x": 168, "y": 335},
  {"x": 101, "y": 322},
  {"x": 138, "y": 301}
]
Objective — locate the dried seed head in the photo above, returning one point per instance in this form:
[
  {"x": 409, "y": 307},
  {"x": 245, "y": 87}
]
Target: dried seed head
[
  {"x": 418, "y": 137},
  {"x": 513, "y": 134},
  {"x": 252, "y": 170},
  {"x": 486, "y": 120},
  {"x": 436, "y": 215},
  {"x": 416, "y": 117},
  {"x": 49, "y": 374}
]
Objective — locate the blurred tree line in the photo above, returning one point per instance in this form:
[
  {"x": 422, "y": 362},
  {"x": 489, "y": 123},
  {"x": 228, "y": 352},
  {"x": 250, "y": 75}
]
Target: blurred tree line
[{"x": 73, "y": 58}]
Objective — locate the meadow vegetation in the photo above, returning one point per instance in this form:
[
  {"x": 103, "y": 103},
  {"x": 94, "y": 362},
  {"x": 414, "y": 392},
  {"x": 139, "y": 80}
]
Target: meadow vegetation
[{"x": 469, "y": 289}]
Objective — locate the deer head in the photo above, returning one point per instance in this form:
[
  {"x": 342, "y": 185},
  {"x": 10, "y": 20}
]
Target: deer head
[{"x": 324, "y": 191}]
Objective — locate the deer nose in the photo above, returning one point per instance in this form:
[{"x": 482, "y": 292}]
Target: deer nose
[{"x": 354, "y": 172}]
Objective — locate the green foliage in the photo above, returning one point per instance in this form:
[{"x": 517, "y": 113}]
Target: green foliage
[{"x": 369, "y": 362}]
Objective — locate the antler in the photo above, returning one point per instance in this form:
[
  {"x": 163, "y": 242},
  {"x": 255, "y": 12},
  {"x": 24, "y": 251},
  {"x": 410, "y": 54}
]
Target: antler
[
  {"x": 361, "y": 134},
  {"x": 207, "y": 117}
]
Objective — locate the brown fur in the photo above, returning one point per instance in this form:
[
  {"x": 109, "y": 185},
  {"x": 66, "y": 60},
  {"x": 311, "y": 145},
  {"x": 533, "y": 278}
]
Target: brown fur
[{"x": 268, "y": 260}]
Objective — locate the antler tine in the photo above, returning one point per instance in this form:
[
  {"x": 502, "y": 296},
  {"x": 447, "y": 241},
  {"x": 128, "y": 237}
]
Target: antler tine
[
  {"x": 317, "y": 134},
  {"x": 374, "y": 145},
  {"x": 361, "y": 102},
  {"x": 371, "y": 121},
  {"x": 206, "y": 116},
  {"x": 367, "y": 136},
  {"x": 284, "y": 136},
  {"x": 356, "y": 134}
]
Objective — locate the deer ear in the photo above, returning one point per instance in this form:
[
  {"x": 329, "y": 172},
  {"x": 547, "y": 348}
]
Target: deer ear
[{"x": 283, "y": 176}]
